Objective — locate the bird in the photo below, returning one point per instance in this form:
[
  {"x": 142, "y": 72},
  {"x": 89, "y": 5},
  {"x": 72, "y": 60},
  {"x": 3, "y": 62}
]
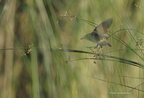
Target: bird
[{"x": 99, "y": 34}]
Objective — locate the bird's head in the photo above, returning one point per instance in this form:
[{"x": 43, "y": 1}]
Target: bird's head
[{"x": 88, "y": 37}]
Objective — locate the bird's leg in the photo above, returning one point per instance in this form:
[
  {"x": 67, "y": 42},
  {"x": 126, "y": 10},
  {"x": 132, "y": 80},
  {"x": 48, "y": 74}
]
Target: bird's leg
[{"x": 98, "y": 51}]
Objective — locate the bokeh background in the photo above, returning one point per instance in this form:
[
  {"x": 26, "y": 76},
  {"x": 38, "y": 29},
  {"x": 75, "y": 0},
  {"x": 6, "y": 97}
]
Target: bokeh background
[{"x": 33, "y": 34}]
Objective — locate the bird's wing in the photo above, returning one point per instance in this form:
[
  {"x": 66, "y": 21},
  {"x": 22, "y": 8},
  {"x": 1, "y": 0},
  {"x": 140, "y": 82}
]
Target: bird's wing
[
  {"x": 98, "y": 36},
  {"x": 104, "y": 26}
]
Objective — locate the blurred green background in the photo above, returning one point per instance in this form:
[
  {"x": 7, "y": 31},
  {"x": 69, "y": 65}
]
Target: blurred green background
[{"x": 33, "y": 33}]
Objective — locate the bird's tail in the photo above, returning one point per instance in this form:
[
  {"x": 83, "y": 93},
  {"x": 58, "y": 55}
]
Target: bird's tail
[{"x": 109, "y": 44}]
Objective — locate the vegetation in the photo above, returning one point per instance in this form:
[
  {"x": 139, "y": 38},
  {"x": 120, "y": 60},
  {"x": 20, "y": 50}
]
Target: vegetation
[{"x": 42, "y": 56}]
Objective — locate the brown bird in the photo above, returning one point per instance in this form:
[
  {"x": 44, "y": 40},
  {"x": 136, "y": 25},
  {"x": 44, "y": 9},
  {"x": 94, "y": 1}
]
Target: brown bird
[{"x": 99, "y": 34}]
